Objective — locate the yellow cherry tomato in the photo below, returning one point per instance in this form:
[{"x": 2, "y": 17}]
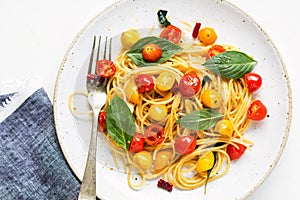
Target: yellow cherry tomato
[
  {"x": 211, "y": 98},
  {"x": 162, "y": 159},
  {"x": 143, "y": 159},
  {"x": 165, "y": 81},
  {"x": 131, "y": 92},
  {"x": 158, "y": 112},
  {"x": 207, "y": 36},
  {"x": 205, "y": 162},
  {"x": 129, "y": 38},
  {"x": 224, "y": 127}
]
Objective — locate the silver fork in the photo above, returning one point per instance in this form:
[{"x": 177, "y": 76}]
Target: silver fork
[{"x": 96, "y": 97}]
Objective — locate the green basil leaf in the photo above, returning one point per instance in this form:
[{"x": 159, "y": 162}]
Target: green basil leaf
[
  {"x": 200, "y": 119},
  {"x": 120, "y": 122},
  {"x": 169, "y": 49},
  {"x": 231, "y": 64},
  {"x": 162, "y": 17}
]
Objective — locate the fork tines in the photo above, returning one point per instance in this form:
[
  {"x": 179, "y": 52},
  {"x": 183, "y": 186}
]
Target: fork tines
[{"x": 96, "y": 53}]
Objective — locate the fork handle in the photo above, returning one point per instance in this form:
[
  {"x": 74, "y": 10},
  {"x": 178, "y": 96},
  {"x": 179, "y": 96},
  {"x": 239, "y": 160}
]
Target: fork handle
[{"x": 88, "y": 186}]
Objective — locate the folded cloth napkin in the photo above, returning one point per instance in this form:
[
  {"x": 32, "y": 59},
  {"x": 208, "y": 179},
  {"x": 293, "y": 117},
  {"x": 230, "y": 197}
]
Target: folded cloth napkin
[{"x": 32, "y": 165}]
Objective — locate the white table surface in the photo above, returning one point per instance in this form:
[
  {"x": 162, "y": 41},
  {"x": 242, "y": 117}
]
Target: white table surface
[{"x": 35, "y": 34}]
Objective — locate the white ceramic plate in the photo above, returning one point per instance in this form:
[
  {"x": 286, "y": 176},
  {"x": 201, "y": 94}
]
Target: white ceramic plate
[{"x": 233, "y": 27}]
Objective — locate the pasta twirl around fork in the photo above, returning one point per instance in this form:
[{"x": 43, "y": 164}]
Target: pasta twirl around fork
[{"x": 177, "y": 108}]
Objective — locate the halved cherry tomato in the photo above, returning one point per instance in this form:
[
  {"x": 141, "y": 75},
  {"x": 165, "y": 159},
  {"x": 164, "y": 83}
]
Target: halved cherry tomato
[
  {"x": 158, "y": 112},
  {"x": 162, "y": 159},
  {"x": 190, "y": 84},
  {"x": 205, "y": 162},
  {"x": 102, "y": 121},
  {"x": 235, "y": 153},
  {"x": 137, "y": 143},
  {"x": 165, "y": 81},
  {"x": 211, "y": 98},
  {"x": 253, "y": 81},
  {"x": 131, "y": 92},
  {"x": 151, "y": 52},
  {"x": 105, "y": 68},
  {"x": 144, "y": 82},
  {"x": 257, "y": 110},
  {"x": 154, "y": 135},
  {"x": 185, "y": 144},
  {"x": 224, "y": 127},
  {"x": 143, "y": 159},
  {"x": 171, "y": 33},
  {"x": 129, "y": 38},
  {"x": 214, "y": 50}
]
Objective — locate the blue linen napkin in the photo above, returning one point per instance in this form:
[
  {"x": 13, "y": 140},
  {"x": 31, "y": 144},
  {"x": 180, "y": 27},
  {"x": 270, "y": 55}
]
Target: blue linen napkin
[{"x": 32, "y": 165}]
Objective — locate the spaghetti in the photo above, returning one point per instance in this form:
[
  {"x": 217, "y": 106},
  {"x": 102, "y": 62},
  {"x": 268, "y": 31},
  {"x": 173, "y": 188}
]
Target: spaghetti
[{"x": 205, "y": 156}]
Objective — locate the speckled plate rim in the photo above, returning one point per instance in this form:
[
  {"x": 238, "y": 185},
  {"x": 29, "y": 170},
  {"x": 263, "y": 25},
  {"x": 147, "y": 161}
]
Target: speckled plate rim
[{"x": 288, "y": 122}]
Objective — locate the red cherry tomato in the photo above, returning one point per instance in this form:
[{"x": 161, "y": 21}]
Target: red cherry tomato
[
  {"x": 235, "y": 153},
  {"x": 105, "y": 68},
  {"x": 144, "y": 82},
  {"x": 154, "y": 135},
  {"x": 151, "y": 52},
  {"x": 102, "y": 121},
  {"x": 214, "y": 50},
  {"x": 253, "y": 81},
  {"x": 137, "y": 143},
  {"x": 171, "y": 33},
  {"x": 257, "y": 110},
  {"x": 190, "y": 84},
  {"x": 185, "y": 144}
]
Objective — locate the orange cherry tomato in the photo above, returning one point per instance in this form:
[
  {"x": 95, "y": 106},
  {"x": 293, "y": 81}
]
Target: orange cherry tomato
[
  {"x": 214, "y": 50},
  {"x": 102, "y": 121},
  {"x": 235, "y": 153},
  {"x": 171, "y": 33},
  {"x": 137, "y": 143},
  {"x": 257, "y": 110},
  {"x": 151, "y": 52},
  {"x": 253, "y": 81},
  {"x": 189, "y": 84},
  {"x": 207, "y": 36},
  {"x": 185, "y": 144},
  {"x": 105, "y": 68},
  {"x": 154, "y": 135}
]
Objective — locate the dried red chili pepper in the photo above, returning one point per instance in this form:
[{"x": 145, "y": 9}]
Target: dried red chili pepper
[
  {"x": 196, "y": 30},
  {"x": 165, "y": 185}
]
